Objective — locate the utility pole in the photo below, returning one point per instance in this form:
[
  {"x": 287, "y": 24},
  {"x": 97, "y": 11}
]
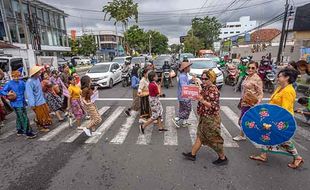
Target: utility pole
[
  {"x": 279, "y": 56},
  {"x": 288, "y": 25},
  {"x": 150, "y": 45},
  {"x": 24, "y": 24}
]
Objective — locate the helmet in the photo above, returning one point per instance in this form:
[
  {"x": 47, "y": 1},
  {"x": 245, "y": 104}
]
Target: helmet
[
  {"x": 166, "y": 62},
  {"x": 127, "y": 62}
]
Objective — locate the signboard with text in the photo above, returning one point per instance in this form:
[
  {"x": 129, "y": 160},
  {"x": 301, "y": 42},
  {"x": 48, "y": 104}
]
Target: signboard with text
[{"x": 190, "y": 92}]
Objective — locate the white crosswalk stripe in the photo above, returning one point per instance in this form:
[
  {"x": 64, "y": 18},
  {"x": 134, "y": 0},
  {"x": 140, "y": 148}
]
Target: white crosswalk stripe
[
  {"x": 170, "y": 136},
  {"x": 105, "y": 126},
  {"x": 123, "y": 132},
  {"x": 76, "y": 133}
]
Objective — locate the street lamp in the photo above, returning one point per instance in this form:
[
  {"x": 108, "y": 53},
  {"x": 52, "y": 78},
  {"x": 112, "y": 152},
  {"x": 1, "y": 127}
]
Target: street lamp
[{"x": 150, "y": 45}]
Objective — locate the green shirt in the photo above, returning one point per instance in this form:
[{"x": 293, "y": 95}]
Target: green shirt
[{"x": 242, "y": 69}]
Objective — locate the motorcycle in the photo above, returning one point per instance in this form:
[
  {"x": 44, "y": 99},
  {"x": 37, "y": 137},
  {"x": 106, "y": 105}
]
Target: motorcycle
[
  {"x": 166, "y": 78},
  {"x": 126, "y": 79},
  {"x": 232, "y": 75},
  {"x": 269, "y": 81}
]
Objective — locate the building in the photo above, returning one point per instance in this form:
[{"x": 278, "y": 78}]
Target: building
[
  {"x": 108, "y": 42},
  {"x": 234, "y": 28},
  {"x": 43, "y": 32}
]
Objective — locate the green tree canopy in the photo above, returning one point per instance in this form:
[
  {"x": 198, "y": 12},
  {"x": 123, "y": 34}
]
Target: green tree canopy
[
  {"x": 175, "y": 48},
  {"x": 87, "y": 45},
  {"x": 192, "y": 44},
  {"x": 136, "y": 39},
  {"x": 159, "y": 42},
  {"x": 207, "y": 29}
]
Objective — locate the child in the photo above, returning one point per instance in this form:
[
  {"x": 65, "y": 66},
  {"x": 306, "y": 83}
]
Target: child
[
  {"x": 90, "y": 106},
  {"x": 304, "y": 101},
  {"x": 156, "y": 107},
  {"x": 74, "y": 101},
  {"x": 134, "y": 85}
]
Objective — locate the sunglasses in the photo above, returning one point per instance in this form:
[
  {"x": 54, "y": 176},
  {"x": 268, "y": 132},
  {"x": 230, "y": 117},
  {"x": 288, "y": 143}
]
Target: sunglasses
[
  {"x": 205, "y": 78},
  {"x": 251, "y": 68}
]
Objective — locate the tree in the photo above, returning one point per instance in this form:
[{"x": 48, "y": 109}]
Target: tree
[
  {"x": 175, "y": 48},
  {"x": 207, "y": 29},
  {"x": 159, "y": 42},
  {"x": 192, "y": 44},
  {"x": 87, "y": 45},
  {"x": 136, "y": 39},
  {"x": 74, "y": 44}
]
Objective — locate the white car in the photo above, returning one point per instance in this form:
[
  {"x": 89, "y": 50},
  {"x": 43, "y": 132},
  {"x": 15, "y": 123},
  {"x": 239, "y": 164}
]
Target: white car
[
  {"x": 105, "y": 74},
  {"x": 201, "y": 64},
  {"x": 84, "y": 61}
]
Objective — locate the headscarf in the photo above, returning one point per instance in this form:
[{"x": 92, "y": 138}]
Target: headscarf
[{"x": 211, "y": 75}]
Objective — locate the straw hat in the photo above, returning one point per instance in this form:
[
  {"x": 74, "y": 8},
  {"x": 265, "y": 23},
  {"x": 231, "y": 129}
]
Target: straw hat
[
  {"x": 34, "y": 70},
  {"x": 184, "y": 65}
]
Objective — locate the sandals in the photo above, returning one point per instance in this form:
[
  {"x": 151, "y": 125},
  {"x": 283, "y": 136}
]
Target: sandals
[
  {"x": 293, "y": 165},
  {"x": 258, "y": 158}
]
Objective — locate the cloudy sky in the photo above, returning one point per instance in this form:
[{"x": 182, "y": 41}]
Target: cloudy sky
[{"x": 171, "y": 17}]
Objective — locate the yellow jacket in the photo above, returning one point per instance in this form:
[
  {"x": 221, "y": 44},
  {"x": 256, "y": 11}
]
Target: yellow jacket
[{"x": 284, "y": 98}]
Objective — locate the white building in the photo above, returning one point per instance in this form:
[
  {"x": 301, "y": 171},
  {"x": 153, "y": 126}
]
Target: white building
[{"x": 234, "y": 28}]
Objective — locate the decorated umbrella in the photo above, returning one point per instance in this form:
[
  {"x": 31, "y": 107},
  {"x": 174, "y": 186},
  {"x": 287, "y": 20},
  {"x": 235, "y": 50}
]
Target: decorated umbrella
[{"x": 269, "y": 125}]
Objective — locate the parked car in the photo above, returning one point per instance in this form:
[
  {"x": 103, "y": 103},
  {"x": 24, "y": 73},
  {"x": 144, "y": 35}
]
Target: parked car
[
  {"x": 84, "y": 61},
  {"x": 105, "y": 74},
  {"x": 201, "y": 64},
  {"x": 121, "y": 60}
]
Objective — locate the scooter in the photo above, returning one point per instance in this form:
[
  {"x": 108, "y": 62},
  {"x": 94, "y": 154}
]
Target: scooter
[
  {"x": 126, "y": 79},
  {"x": 166, "y": 78},
  {"x": 232, "y": 75},
  {"x": 269, "y": 81}
]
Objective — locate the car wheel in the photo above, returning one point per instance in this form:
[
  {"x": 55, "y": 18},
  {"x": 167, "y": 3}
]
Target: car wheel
[{"x": 111, "y": 83}]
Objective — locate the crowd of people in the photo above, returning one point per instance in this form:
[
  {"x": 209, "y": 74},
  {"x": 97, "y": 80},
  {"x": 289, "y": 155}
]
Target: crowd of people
[{"x": 49, "y": 93}]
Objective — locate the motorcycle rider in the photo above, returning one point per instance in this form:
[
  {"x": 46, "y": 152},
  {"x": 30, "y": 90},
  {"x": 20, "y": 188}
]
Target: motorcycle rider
[
  {"x": 263, "y": 67},
  {"x": 126, "y": 67},
  {"x": 242, "y": 73},
  {"x": 167, "y": 68}
]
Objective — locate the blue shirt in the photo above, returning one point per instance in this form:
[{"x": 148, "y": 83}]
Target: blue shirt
[
  {"x": 183, "y": 81},
  {"x": 34, "y": 92},
  {"x": 19, "y": 88},
  {"x": 135, "y": 82}
]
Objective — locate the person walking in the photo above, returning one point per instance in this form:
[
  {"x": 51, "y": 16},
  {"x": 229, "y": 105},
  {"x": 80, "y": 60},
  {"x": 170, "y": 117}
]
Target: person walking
[
  {"x": 91, "y": 108},
  {"x": 15, "y": 92},
  {"x": 134, "y": 85},
  {"x": 54, "y": 101},
  {"x": 74, "y": 102},
  {"x": 185, "y": 105},
  {"x": 156, "y": 107},
  {"x": 252, "y": 93},
  {"x": 143, "y": 93},
  {"x": 209, "y": 127},
  {"x": 36, "y": 99},
  {"x": 284, "y": 96}
]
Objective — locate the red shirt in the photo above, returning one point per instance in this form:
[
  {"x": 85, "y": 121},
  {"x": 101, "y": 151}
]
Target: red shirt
[{"x": 153, "y": 89}]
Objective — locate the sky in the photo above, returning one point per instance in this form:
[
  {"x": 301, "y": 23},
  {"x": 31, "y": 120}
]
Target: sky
[{"x": 170, "y": 17}]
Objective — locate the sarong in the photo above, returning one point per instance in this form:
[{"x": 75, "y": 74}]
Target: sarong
[{"x": 43, "y": 117}]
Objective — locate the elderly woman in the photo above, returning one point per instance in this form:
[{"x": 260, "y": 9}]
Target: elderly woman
[
  {"x": 252, "y": 93},
  {"x": 209, "y": 127},
  {"x": 143, "y": 93},
  {"x": 284, "y": 96}
]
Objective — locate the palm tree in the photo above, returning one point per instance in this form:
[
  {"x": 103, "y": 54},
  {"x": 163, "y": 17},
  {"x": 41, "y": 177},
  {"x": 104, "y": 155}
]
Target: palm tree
[{"x": 121, "y": 11}]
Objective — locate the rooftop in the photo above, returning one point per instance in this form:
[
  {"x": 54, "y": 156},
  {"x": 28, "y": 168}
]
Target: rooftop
[{"x": 264, "y": 35}]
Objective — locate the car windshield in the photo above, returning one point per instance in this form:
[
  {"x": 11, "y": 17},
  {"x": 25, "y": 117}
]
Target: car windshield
[
  {"x": 203, "y": 64},
  {"x": 119, "y": 60},
  {"x": 138, "y": 60},
  {"x": 99, "y": 69},
  {"x": 159, "y": 61},
  {"x": 188, "y": 55}
]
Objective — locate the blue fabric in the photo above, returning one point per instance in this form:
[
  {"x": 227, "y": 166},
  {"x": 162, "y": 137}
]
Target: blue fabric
[
  {"x": 268, "y": 124},
  {"x": 183, "y": 81},
  {"x": 34, "y": 92},
  {"x": 19, "y": 88},
  {"x": 135, "y": 82}
]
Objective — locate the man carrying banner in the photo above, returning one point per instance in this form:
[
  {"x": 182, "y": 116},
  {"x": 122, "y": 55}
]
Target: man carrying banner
[{"x": 185, "y": 106}]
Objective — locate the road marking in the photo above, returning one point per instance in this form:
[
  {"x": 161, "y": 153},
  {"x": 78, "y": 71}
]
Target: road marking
[
  {"x": 12, "y": 131},
  {"x": 76, "y": 133},
  {"x": 192, "y": 129},
  {"x": 124, "y": 130},
  {"x": 105, "y": 126},
  {"x": 228, "y": 142},
  {"x": 145, "y": 139},
  {"x": 170, "y": 136},
  {"x": 235, "y": 118},
  {"x": 171, "y": 98}
]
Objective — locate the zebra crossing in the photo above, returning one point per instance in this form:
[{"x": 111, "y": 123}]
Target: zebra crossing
[{"x": 113, "y": 115}]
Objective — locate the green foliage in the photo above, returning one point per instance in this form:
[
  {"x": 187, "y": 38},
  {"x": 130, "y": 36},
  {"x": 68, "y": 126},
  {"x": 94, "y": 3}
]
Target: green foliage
[
  {"x": 175, "y": 48},
  {"x": 207, "y": 29},
  {"x": 138, "y": 39},
  {"x": 121, "y": 11},
  {"x": 87, "y": 45},
  {"x": 192, "y": 44}
]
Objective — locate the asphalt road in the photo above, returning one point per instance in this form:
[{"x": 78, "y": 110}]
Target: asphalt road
[{"x": 121, "y": 159}]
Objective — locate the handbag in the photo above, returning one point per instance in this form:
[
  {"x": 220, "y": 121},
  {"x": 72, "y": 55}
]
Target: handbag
[{"x": 250, "y": 99}]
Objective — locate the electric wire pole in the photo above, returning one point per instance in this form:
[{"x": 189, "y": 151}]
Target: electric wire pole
[{"x": 279, "y": 56}]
